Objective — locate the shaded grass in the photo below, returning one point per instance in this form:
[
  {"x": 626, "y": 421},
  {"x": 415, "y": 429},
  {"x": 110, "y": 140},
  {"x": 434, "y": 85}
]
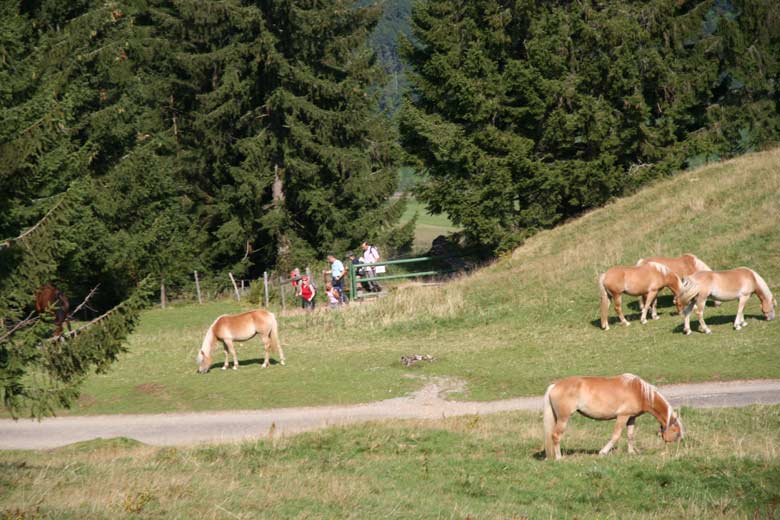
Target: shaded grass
[
  {"x": 428, "y": 226},
  {"x": 507, "y": 330},
  {"x": 465, "y": 467}
]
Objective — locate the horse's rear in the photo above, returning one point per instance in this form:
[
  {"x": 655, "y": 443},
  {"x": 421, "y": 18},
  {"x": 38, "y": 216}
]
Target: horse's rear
[
  {"x": 643, "y": 280},
  {"x": 49, "y": 297}
]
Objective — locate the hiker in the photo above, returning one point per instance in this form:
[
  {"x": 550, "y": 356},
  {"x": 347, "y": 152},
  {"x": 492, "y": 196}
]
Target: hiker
[
  {"x": 307, "y": 293},
  {"x": 334, "y": 295},
  {"x": 371, "y": 256},
  {"x": 337, "y": 276},
  {"x": 359, "y": 271}
]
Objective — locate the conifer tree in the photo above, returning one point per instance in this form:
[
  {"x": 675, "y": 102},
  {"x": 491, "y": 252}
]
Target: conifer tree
[{"x": 524, "y": 113}]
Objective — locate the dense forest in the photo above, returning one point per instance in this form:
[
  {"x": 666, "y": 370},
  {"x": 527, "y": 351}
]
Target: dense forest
[
  {"x": 524, "y": 113},
  {"x": 141, "y": 140}
]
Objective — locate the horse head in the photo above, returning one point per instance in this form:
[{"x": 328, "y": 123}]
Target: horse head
[
  {"x": 673, "y": 431},
  {"x": 768, "y": 306}
]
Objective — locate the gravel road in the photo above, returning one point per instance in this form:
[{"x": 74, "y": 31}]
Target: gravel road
[{"x": 229, "y": 426}]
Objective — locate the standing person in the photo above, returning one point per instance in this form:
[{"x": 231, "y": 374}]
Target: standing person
[
  {"x": 337, "y": 276},
  {"x": 295, "y": 281},
  {"x": 371, "y": 256},
  {"x": 334, "y": 296},
  {"x": 359, "y": 271},
  {"x": 307, "y": 293}
]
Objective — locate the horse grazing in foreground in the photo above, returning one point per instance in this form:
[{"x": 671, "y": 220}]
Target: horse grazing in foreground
[
  {"x": 682, "y": 266},
  {"x": 644, "y": 281},
  {"x": 735, "y": 284},
  {"x": 240, "y": 327},
  {"x": 623, "y": 398},
  {"x": 48, "y": 297}
]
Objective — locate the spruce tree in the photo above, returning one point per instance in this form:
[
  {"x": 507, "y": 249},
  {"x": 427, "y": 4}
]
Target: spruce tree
[{"x": 524, "y": 113}]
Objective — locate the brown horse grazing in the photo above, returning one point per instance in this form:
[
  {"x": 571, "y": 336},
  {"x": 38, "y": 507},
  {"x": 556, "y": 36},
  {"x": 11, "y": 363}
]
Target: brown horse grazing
[
  {"x": 240, "y": 327},
  {"x": 623, "y": 398},
  {"x": 682, "y": 266},
  {"x": 645, "y": 280},
  {"x": 48, "y": 297},
  {"x": 735, "y": 284}
]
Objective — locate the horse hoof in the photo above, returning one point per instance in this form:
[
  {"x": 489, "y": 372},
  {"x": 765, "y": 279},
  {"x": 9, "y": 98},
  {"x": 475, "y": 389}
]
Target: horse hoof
[
  {"x": 605, "y": 327},
  {"x": 656, "y": 317},
  {"x": 737, "y": 327},
  {"x": 264, "y": 365},
  {"x": 687, "y": 332},
  {"x": 282, "y": 362},
  {"x": 643, "y": 322},
  {"x": 224, "y": 368},
  {"x": 235, "y": 368}
]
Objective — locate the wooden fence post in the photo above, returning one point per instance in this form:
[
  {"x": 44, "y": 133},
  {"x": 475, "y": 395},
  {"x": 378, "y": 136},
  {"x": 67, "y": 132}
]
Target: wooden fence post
[
  {"x": 197, "y": 287},
  {"x": 281, "y": 290},
  {"x": 265, "y": 286},
  {"x": 235, "y": 287}
]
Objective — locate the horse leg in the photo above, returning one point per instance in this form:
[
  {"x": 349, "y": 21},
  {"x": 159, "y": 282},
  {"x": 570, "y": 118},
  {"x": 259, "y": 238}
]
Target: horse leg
[
  {"x": 560, "y": 427},
  {"x": 267, "y": 345},
  {"x": 630, "y": 433},
  {"x": 739, "y": 320},
  {"x": 649, "y": 299},
  {"x": 232, "y": 349},
  {"x": 227, "y": 354},
  {"x": 687, "y": 321},
  {"x": 654, "y": 309},
  {"x": 617, "y": 298},
  {"x": 619, "y": 424},
  {"x": 700, "y": 303}
]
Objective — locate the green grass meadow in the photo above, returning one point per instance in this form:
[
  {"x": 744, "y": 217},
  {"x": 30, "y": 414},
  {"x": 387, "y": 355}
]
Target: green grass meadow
[
  {"x": 466, "y": 467},
  {"x": 428, "y": 226},
  {"x": 507, "y": 330}
]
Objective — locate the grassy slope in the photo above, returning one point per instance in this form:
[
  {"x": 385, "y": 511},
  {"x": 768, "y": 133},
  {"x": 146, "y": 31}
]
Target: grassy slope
[
  {"x": 507, "y": 330},
  {"x": 468, "y": 467}
]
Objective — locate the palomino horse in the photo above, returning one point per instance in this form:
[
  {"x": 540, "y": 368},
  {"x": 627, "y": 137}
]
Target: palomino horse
[
  {"x": 240, "y": 327},
  {"x": 623, "y": 398},
  {"x": 734, "y": 284},
  {"x": 645, "y": 280},
  {"x": 49, "y": 297},
  {"x": 682, "y": 266}
]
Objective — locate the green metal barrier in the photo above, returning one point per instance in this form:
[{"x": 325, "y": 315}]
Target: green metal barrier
[{"x": 353, "y": 293}]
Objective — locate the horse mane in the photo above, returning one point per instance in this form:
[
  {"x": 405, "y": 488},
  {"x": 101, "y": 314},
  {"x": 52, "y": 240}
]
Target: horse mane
[
  {"x": 661, "y": 268},
  {"x": 648, "y": 390},
  {"x": 699, "y": 265},
  {"x": 762, "y": 285}
]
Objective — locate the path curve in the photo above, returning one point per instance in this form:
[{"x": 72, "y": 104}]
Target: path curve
[{"x": 428, "y": 403}]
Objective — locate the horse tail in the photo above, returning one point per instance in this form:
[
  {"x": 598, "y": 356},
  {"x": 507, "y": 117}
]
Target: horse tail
[
  {"x": 274, "y": 334},
  {"x": 698, "y": 265},
  {"x": 604, "y": 302},
  {"x": 549, "y": 424},
  {"x": 689, "y": 289}
]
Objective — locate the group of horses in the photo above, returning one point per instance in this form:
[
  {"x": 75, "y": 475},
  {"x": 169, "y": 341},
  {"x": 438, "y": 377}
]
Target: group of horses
[
  {"x": 691, "y": 281},
  {"x": 622, "y": 398}
]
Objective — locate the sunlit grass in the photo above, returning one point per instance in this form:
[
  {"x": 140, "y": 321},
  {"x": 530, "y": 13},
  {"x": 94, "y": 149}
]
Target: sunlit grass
[{"x": 471, "y": 466}]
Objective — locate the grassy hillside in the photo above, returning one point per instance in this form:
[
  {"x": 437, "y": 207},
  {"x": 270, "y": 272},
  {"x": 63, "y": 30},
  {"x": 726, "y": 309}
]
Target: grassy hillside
[
  {"x": 466, "y": 467},
  {"x": 507, "y": 330},
  {"x": 428, "y": 226}
]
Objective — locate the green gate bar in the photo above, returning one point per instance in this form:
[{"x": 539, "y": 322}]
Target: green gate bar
[{"x": 353, "y": 293}]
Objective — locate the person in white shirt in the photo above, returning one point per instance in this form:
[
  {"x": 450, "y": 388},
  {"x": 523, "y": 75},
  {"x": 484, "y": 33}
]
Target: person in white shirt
[{"x": 371, "y": 256}]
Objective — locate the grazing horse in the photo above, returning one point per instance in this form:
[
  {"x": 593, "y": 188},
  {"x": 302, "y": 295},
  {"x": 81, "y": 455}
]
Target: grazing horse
[
  {"x": 48, "y": 297},
  {"x": 240, "y": 327},
  {"x": 734, "y": 284},
  {"x": 624, "y": 398},
  {"x": 645, "y": 280},
  {"x": 682, "y": 266}
]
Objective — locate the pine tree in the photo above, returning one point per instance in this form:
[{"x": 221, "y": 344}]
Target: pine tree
[{"x": 525, "y": 113}]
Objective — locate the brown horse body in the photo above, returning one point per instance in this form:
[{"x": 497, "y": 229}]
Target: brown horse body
[
  {"x": 682, "y": 266},
  {"x": 240, "y": 327},
  {"x": 624, "y": 398},
  {"x": 735, "y": 284},
  {"x": 48, "y": 298},
  {"x": 644, "y": 281}
]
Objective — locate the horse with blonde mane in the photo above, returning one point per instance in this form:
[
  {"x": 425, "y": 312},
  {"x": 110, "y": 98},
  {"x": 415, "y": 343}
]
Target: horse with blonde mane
[
  {"x": 682, "y": 266},
  {"x": 624, "y": 398},
  {"x": 644, "y": 281},
  {"x": 240, "y": 327},
  {"x": 735, "y": 284}
]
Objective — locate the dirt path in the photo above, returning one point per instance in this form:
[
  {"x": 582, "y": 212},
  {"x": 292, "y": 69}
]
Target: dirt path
[{"x": 429, "y": 402}]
